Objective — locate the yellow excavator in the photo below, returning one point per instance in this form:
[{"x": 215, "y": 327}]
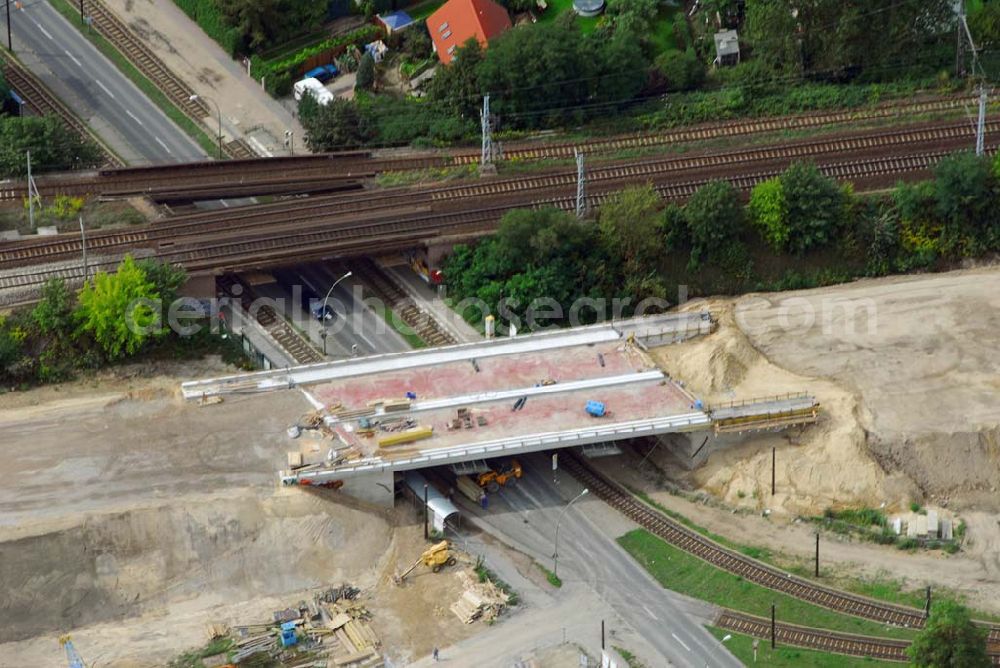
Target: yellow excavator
[
  {"x": 436, "y": 557},
  {"x": 493, "y": 480}
]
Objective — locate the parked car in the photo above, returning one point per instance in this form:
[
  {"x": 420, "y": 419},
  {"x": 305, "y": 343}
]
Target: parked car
[
  {"x": 312, "y": 86},
  {"x": 323, "y": 73}
]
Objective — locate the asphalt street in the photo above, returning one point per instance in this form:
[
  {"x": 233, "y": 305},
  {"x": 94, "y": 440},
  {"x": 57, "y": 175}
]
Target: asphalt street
[
  {"x": 94, "y": 88},
  {"x": 528, "y": 513},
  {"x": 355, "y": 324}
]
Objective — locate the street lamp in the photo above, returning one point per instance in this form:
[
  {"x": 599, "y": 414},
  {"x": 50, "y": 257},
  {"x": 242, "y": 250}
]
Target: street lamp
[
  {"x": 322, "y": 307},
  {"x": 555, "y": 552},
  {"x": 195, "y": 98}
]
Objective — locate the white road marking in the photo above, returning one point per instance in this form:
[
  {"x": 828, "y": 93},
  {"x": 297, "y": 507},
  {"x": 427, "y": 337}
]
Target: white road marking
[
  {"x": 133, "y": 117},
  {"x": 224, "y": 203},
  {"x": 73, "y": 58},
  {"x": 105, "y": 88},
  {"x": 44, "y": 31},
  {"x": 260, "y": 148},
  {"x": 681, "y": 642},
  {"x": 650, "y": 613},
  {"x": 160, "y": 142}
]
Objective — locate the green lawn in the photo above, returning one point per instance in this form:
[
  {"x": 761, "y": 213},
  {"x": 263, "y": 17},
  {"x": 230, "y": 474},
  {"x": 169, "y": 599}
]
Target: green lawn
[
  {"x": 557, "y": 7},
  {"x": 663, "y": 36},
  {"x": 684, "y": 573},
  {"x": 422, "y": 10},
  {"x": 789, "y": 657}
]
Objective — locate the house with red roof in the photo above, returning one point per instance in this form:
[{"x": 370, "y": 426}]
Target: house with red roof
[{"x": 458, "y": 21}]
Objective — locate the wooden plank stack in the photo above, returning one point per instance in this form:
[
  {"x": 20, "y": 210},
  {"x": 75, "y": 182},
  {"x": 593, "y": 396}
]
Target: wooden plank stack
[{"x": 480, "y": 600}]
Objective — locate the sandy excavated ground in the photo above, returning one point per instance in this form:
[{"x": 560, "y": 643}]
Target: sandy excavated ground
[
  {"x": 134, "y": 519},
  {"x": 908, "y": 375}
]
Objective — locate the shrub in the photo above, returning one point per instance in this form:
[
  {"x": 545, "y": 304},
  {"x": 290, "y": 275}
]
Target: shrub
[
  {"x": 769, "y": 210},
  {"x": 681, "y": 69},
  {"x": 209, "y": 17},
  {"x": 815, "y": 207}
]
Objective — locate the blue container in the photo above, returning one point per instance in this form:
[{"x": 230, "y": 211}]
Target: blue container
[
  {"x": 595, "y": 408},
  {"x": 288, "y": 637}
]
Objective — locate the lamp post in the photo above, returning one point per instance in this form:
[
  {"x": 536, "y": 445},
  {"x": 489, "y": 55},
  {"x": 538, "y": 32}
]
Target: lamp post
[
  {"x": 322, "y": 306},
  {"x": 555, "y": 552},
  {"x": 195, "y": 98}
]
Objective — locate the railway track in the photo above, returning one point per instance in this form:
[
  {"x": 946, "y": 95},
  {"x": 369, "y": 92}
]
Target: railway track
[
  {"x": 179, "y": 93},
  {"x": 734, "y": 128},
  {"x": 174, "y": 180},
  {"x": 44, "y": 103},
  {"x": 885, "y": 649},
  {"x": 749, "y": 569},
  {"x": 297, "y": 347},
  {"x": 422, "y": 324},
  {"x": 331, "y": 228}
]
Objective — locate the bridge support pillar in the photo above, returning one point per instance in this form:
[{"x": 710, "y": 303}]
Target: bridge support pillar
[
  {"x": 199, "y": 286},
  {"x": 374, "y": 488}
]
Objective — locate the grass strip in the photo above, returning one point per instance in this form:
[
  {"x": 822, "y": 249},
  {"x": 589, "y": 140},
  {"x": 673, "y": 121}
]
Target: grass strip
[
  {"x": 677, "y": 570},
  {"x": 553, "y": 579},
  {"x": 149, "y": 89},
  {"x": 741, "y": 647},
  {"x": 879, "y": 588}
]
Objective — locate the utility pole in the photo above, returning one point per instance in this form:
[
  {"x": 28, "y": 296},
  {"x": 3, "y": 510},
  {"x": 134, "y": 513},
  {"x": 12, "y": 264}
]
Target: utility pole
[
  {"x": 581, "y": 186},
  {"x": 487, "y": 152},
  {"x": 81, "y": 12},
  {"x": 772, "y": 626},
  {"x": 426, "y": 532},
  {"x": 927, "y": 605},
  {"x": 817, "y": 554},
  {"x": 83, "y": 244},
  {"x": 10, "y": 44},
  {"x": 981, "y": 123},
  {"x": 32, "y": 193},
  {"x": 960, "y": 43},
  {"x": 773, "y": 459}
]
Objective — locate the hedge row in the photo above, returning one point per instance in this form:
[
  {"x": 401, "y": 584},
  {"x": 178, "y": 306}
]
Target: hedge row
[
  {"x": 209, "y": 17},
  {"x": 279, "y": 75}
]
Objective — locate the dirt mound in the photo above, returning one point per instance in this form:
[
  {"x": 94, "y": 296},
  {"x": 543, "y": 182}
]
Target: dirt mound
[
  {"x": 819, "y": 466},
  {"x": 205, "y": 553}
]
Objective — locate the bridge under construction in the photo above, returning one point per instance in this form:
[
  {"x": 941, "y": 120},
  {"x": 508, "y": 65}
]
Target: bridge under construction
[{"x": 501, "y": 397}]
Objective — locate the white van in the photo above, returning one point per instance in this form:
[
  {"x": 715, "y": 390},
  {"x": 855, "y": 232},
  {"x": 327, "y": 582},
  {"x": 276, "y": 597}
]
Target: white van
[{"x": 313, "y": 87}]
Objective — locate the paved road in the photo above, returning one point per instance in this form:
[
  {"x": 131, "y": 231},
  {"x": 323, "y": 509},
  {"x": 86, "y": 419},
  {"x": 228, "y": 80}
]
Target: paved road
[
  {"x": 355, "y": 323},
  {"x": 587, "y": 554},
  {"x": 94, "y": 88}
]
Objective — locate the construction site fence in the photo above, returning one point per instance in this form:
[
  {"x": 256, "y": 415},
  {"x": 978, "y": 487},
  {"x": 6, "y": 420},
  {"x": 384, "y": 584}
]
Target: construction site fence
[
  {"x": 668, "y": 335},
  {"x": 760, "y": 400}
]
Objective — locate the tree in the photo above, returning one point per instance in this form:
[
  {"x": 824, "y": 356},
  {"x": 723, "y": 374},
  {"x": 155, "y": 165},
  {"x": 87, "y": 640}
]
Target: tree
[
  {"x": 53, "y": 146},
  {"x": 366, "y": 73},
  {"x": 681, "y": 69},
  {"x": 949, "y": 638},
  {"x": 4, "y": 91},
  {"x": 634, "y": 16},
  {"x": 456, "y": 89},
  {"x": 965, "y": 191},
  {"x": 167, "y": 280},
  {"x": 631, "y": 228},
  {"x": 334, "y": 126},
  {"x": 264, "y": 23},
  {"x": 984, "y": 24},
  {"x": 119, "y": 310},
  {"x": 769, "y": 212},
  {"x": 770, "y": 31},
  {"x": 54, "y": 312},
  {"x": 815, "y": 207},
  {"x": 715, "y": 220}
]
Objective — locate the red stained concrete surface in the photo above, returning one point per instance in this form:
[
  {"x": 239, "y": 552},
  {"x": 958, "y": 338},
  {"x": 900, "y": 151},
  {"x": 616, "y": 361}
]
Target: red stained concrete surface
[
  {"x": 561, "y": 411},
  {"x": 495, "y": 373}
]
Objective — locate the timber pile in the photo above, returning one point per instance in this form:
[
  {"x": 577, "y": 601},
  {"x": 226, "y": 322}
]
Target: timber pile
[
  {"x": 331, "y": 631},
  {"x": 480, "y": 600}
]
